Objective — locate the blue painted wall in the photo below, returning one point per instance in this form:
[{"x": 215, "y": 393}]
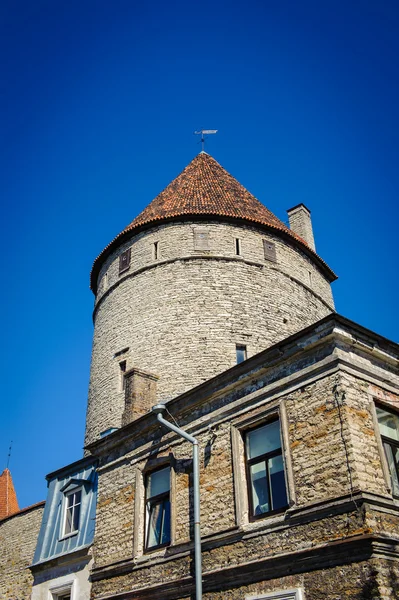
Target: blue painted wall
[{"x": 51, "y": 541}]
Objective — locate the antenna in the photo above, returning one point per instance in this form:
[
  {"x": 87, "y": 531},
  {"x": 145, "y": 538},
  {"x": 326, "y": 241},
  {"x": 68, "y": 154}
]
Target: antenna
[
  {"x": 9, "y": 454},
  {"x": 202, "y": 133}
]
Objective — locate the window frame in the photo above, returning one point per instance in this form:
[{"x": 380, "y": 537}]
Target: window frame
[
  {"x": 391, "y": 442},
  {"x": 157, "y": 499},
  {"x": 293, "y": 594},
  {"x": 68, "y": 493},
  {"x": 264, "y": 458}
]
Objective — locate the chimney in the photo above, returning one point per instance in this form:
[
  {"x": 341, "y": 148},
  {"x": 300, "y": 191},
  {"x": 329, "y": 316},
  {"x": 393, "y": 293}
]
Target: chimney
[
  {"x": 301, "y": 223},
  {"x": 140, "y": 394}
]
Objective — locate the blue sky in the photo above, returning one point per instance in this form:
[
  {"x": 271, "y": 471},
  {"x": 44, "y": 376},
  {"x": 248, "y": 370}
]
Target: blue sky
[{"x": 99, "y": 101}]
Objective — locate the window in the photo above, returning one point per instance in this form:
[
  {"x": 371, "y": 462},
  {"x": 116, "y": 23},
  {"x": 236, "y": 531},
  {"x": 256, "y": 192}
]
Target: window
[
  {"x": 280, "y": 595},
  {"x": 201, "y": 239},
  {"x": 122, "y": 367},
  {"x": 265, "y": 470},
  {"x": 241, "y": 353},
  {"x": 73, "y": 502},
  {"x": 238, "y": 246},
  {"x": 389, "y": 429},
  {"x": 64, "y": 594},
  {"x": 155, "y": 250},
  {"x": 270, "y": 250},
  {"x": 124, "y": 261},
  {"x": 157, "y": 493}
]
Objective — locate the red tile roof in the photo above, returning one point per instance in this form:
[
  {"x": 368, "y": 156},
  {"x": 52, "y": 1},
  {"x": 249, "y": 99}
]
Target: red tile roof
[
  {"x": 205, "y": 189},
  {"x": 8, "y": 497}
]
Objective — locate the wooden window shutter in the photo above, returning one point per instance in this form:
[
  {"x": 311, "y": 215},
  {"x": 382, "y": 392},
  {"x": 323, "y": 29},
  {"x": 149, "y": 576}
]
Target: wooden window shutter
[
  {"x": 124, "y": 261},
  {"x": 270, "y": 250}
]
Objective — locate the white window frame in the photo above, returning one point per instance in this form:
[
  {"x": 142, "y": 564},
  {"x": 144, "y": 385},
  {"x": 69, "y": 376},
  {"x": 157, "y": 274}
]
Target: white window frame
[
  {"x": 56, "y": 593},
  {"x": 293, "y": 594},
  {"x": 65, "y": 508}
]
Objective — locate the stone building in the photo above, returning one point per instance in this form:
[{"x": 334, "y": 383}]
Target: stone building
[
  {"x": 212, "y": 308},
  {"x": 18, "y": 534},
  {"x": 298, "y": 442}
]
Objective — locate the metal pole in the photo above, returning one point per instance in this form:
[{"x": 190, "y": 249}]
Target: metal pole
[{"x": 158, "y": 409}]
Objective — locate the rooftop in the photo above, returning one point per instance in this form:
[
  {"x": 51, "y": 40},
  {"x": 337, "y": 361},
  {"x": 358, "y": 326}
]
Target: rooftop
[{"x": 205, "y": 188}]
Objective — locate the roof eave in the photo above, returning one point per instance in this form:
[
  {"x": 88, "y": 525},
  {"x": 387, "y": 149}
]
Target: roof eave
[{"x": 127, "y": 233}]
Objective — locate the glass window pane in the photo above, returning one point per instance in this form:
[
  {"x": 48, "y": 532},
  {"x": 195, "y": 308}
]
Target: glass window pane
[
  {"x": 158, "y": 482},
  {"x": 389, "y": 424},
  {"x": 260, "y": 494},
  {"x": 264, "y": 439},
  {"x": 165, "y": 537},
  {"x": 154, "y": 524},
  {"x": 277, "y": 482},
  {"x": 68, "y": 521},
  {"x": 76, "y": 513},
  {"x": 392, "y": 454},
  {"x": 70, "y": 500},
  {"x": 78, "y": 496}
]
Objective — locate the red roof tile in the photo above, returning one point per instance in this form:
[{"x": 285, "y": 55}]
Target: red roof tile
[
  {"x": 8, "y": 497},
  {"x": 204, "y": 188}
]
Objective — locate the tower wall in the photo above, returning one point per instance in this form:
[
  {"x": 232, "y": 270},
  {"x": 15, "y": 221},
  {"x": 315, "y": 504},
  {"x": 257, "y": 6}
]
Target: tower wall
[{"x": 180, "y": 311}]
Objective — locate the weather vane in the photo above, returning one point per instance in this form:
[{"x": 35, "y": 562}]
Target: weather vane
[
  {"x": 202, "y": 133},
  {"x": 9, "y": 454}
]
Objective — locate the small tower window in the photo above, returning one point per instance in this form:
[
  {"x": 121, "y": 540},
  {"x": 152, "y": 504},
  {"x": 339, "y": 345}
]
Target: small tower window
[
  {"x": 122, "y": 366},
  {"x": 310, "y": 277},
  {"x": 269, "y": 250},
  {"x": 105, "y": 281},
  {"x": 124, "y": 261},
  {"x": 156, "y": 250},
  {"x": 201, "y": 239},
  {"x": 241, "y": 353},
  {"x": 238, "y": 246}
]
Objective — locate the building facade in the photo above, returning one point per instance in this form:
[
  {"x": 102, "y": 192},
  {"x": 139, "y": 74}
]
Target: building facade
[{"x": 212, "y": 307}]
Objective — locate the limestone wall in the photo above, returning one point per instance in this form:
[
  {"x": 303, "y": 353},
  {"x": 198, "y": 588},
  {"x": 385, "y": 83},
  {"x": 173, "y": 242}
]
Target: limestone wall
[
  {"x": 181, "y": 316},
  {"x": 18, "y": 537}
]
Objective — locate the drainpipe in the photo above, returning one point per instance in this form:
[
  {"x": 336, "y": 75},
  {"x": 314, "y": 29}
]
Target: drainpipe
[{"x": 158, "y": 409}]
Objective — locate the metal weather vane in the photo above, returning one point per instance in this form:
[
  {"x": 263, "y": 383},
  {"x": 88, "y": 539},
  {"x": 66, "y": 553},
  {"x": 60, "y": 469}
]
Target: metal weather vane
[{"x": 203, "y": 133}]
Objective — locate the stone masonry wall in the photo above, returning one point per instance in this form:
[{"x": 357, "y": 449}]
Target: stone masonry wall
[
  {"x": 182, "y": 319},
  {"x": 18, "y": 537},
  {"x": 332, "y": 447}
]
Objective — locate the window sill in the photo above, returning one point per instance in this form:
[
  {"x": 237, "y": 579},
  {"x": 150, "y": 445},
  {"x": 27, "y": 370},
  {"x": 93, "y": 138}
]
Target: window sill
[{"x": 68, "y": 535}]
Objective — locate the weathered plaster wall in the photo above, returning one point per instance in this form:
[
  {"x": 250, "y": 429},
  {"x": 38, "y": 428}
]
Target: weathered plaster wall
[
  {"x": 18, "y": 537},
  {"x": 182, "y": 315}
]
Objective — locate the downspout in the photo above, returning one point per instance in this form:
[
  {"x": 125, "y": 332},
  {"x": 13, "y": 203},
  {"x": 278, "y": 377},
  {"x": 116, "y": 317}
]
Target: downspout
[{"x": 158, "y": 409}]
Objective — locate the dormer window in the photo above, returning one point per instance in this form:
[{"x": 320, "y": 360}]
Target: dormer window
[
  {"x": 73, "y": 502},
  {"x": 124, "y": 261}
]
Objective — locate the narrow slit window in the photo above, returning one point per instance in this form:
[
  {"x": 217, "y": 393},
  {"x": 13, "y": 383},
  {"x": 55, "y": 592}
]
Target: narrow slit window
[
  {"x": 310, "y": 278},
  {"x": 122, "y": 366},
  {"x": 238, "y": 246},
  {"x": 156, "y": 251},
  {"x": 241, "y": 353}
]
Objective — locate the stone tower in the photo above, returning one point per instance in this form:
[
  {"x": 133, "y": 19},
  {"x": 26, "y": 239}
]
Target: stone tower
[{"x": 204, "y": 276}]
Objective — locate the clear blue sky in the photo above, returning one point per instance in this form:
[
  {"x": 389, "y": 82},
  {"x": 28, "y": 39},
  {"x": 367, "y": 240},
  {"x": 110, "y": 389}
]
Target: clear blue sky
[{"x": 99, "y": 101}]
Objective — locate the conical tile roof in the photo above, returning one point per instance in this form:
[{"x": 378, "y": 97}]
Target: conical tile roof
[
  {"x": 8, "y": 497},
  {"x": 204, "y": 189}
]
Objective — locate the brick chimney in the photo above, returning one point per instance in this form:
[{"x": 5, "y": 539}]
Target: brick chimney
[
  {"x": 301, "y": 223},
  {"x": 8, "y": 497},
  {"x": 140, "y": 394}
]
